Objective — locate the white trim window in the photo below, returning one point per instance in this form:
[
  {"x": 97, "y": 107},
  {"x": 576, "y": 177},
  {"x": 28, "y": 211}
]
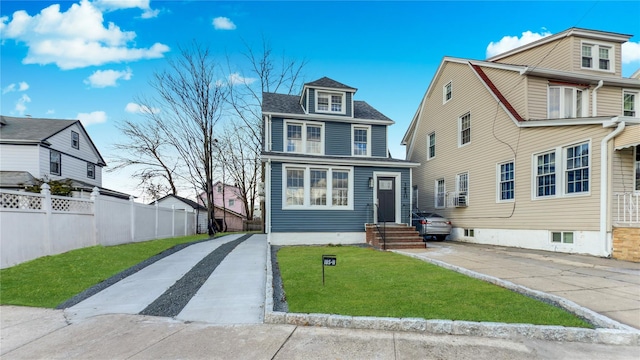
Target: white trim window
[
  {"x": 330, "y": 102},
  {"x": 361, "y": 140},
  {"x": 506, "y": 182},
  {"x": 597, "y": 57},
  {"x": 566, "y": 102},
  {"x": 55, "y": 162},
  {"x": 563, "y": 237},
  {"x": 546, "y": 174},
  {"x": 431, "y": 146},
  {"x": 75, "y": 140},
  {"x": 304, "y": 137},
  {"x": 440, "y": 194},
  {"x": 577, "y": 168},
  {"x": 630, "y": 103},
  {"x": 308, "y": 187},
  {"x": 447, "y": 92},
  {"x": 91, "y": 171},
  {"x": 462, "y": 183},
  {"x": 464, "y": 129}
]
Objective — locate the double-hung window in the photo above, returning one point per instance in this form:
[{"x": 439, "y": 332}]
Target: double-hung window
[
  {"x": 546, "y": 174},
  {"x": 317, "y": 187},
  {"x": 577, "y": 169},
  {"x": 91, "y": 171},
  {"x": 631, "y": 103},
  {"x": 597, "y": 57},
  {"x": 566, "y": 102},
  {"x": 361, "y": 135},
  {"x": 328, "y": 102},
  {"x": 506, "y": 184},
  {"x": 447, "y": 92},
  {"x": 464, "y": 129},
  {"x": 75, "y": 140},
  {"x": 440, "y": 193},
  {"x": 431, "y": 146},
  {"x": 304, "y": 137},
  {"x": 55, "y": 162}
]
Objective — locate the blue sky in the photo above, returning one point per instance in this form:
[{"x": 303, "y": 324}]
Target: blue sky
[{"x": 88, "y": 60}]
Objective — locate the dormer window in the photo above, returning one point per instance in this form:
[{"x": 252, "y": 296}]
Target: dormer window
[
  {"x": 567, "y": 102},
  {"x": 596, "y": 57},
  {"x": 330, "y": 102}
]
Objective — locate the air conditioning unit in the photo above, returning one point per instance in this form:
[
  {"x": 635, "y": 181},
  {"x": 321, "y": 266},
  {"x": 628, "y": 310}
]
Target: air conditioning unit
[{"x": 461, "y": 201}]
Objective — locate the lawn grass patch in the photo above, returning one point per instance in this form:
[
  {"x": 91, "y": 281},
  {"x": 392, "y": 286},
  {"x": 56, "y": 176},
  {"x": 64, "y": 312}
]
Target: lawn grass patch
[
  {"x": 50, "y": 280},
  {"x": 367, "y": 282}
]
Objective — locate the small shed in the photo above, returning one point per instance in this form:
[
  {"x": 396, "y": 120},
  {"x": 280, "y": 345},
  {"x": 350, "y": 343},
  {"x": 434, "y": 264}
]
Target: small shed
[{"x": 184, "y": 203}]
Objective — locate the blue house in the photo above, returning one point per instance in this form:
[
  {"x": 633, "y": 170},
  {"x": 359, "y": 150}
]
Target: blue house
[{"x": 327, "y": 167}]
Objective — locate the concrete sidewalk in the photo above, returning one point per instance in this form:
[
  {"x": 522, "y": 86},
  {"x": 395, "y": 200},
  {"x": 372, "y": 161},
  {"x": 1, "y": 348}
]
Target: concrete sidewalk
[
  {"x": 607, "y": 286},
  {"x": 33, "y": 333}
]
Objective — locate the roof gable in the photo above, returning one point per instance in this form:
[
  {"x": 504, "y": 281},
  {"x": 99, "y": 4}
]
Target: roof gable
[{"x": 326, "y": 82}]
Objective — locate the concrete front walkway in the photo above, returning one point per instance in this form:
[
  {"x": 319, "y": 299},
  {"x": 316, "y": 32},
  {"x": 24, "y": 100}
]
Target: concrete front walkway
[{"x": 607, "y": 286}]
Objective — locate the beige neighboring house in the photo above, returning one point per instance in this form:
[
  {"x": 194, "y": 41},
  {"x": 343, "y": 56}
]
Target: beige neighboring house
[{"x": 538, "y": 147}]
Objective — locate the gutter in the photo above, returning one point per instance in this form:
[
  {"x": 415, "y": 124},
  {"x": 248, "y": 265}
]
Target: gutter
[{"x": 604, "y": 183}]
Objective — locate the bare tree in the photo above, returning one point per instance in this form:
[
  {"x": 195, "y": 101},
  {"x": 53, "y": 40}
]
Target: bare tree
[
  {"x": 190, "y": 98},
  {"x": 145, "y": 149}
]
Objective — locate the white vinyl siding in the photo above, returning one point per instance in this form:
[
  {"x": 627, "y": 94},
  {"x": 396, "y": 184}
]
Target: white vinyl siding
[
  {"x": 307, "y": 187},
  {"x": 21, "y": 158}
]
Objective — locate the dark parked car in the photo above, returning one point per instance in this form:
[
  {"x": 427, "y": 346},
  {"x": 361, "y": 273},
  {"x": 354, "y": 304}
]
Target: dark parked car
[{"x": 431, "y": 224}]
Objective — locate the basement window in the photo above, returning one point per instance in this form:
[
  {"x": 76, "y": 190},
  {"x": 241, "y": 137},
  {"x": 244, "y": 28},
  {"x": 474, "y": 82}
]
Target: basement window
[
  {"x": 469, "y": 233},
  {"x": 564, "y": 237}
]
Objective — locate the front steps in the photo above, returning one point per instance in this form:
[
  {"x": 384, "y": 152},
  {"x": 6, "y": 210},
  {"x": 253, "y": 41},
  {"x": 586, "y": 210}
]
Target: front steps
[{"x": 397, "y": 236}]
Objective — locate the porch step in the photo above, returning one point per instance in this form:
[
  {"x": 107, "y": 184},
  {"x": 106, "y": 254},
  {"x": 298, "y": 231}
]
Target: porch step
[{"x": 396, "y": 236}]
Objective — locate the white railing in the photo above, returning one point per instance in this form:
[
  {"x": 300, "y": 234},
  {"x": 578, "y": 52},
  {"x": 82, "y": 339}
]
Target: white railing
[
  {"x": 35, "y": 225},
  {"x": 457, "y": 199},
  {"x": 627, "y": 208}
]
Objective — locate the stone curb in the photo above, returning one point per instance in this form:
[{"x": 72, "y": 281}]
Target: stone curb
[{"x": 609, "y": 332}]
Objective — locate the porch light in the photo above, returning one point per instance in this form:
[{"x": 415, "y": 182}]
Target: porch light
[{"x": 370, "y": 183}]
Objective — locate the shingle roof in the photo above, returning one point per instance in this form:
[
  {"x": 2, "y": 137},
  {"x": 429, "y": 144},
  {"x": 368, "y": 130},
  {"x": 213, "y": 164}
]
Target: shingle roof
[
  {"x": 191, "y": 203},
  {"x": 31, "y": 129},
  {"x": 329, "y": 83},
  {"x": 290, "y": 104}
]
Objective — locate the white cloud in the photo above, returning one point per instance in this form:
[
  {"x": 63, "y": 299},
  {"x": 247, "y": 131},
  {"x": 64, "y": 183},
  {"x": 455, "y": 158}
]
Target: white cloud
[
  {"x": 630, "y": 52},
  {"x": 96, "y": 117},
  {"x": 22, "y": 86},
  {"x": 21, "y": 105},
  {"x": 140, "y": 109},
  {"x": 237, "y": 79},
  {"x": 104, "y": 78},
  {"x": 112, "y": 5},
  {"x": 74, "y": 39},
  {"x": 511, "y": 42},
  {"x": 50, "y": 111},
  {"x": 223, "y": 23}
]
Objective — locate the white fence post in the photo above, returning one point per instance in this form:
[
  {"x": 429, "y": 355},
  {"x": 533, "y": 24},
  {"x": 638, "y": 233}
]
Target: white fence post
[
  {"x": 95, "y": 198},
  {"x": 133, "y": 219},
  {"x": 186, "y": 223},
  {"x": 156, "y": 236},
  {"x": 46, "y": 205},
  {"x": 173, "y": 220}
]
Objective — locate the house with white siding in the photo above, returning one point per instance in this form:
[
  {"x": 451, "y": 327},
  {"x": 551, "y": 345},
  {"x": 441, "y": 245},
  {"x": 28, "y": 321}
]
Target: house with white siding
[
  {"x": 50, "y": 149},
  {"x": 538, "y": 147},
  {"x": 329, "y": 176}
]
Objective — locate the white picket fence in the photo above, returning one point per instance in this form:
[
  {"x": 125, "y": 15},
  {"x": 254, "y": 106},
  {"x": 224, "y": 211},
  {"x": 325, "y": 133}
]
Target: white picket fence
[{"x": 34, "y": 225}]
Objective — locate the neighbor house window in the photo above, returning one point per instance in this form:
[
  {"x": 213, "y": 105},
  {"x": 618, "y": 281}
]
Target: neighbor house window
[
  {"x": 91, "y": 171},
  {"x": 75, "y": 140},
  {"x": 566, "y": 102},
  {"x": 446, "y": 92},
  {"x": 232, "y": 202},
  {"x": 55, "y": 162},
  {"x": 464, "y": 129},
  {"x": 440, "y": 193},
  {"x": 546, "y": 174},
  {"x": 309, "y": 187},
  {"x": 637, "y": 167},
  {"x": 577, "y": 169},
  {"x": 361, "y": 140},
  {"x": 506, "y": 185},
  {"x": 431, "y": 145},
  {"x": 330, "y": 102},
  {"x": 304, "y": 137},
  {"x": 631, "y": 102},
  {"x": 596, "y": 57},
  {"x": 565, "y": 237}
]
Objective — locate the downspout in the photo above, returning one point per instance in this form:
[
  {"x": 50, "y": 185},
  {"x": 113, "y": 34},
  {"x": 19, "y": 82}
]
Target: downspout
[
  {"x": 604, "y": 184},
  {"x": 594, "y": 99},
  {"x": 267, "y": 205}
]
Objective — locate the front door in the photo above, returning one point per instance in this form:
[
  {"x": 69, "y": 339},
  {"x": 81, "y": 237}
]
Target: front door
[{"x": 386, "y": 199}]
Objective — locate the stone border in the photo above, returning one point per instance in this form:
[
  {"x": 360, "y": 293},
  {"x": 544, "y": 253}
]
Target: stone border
[{"x": 611, "y": 332}]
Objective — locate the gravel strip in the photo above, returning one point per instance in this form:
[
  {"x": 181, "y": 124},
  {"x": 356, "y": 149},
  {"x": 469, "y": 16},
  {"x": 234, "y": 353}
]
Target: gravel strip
[
  {"x": 279, "y": 298},
  {"x": 178, "y": 295},
  {"x": 121, "y": 275}
]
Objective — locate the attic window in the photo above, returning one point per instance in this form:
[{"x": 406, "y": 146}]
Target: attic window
[
  {"x": 597, "y": 57},
  {"x": 75, "y": 140},
  {"x": 447, "y": 92},
  {"x": 330, "y": 102}
]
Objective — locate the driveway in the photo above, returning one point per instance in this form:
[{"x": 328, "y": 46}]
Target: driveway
[{"x": 607, "y": 286}]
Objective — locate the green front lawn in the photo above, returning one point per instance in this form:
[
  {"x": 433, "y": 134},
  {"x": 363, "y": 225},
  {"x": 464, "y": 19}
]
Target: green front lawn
[
  {"x": 50, "y": 280},
  {"x": 368, "y": 282}
]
